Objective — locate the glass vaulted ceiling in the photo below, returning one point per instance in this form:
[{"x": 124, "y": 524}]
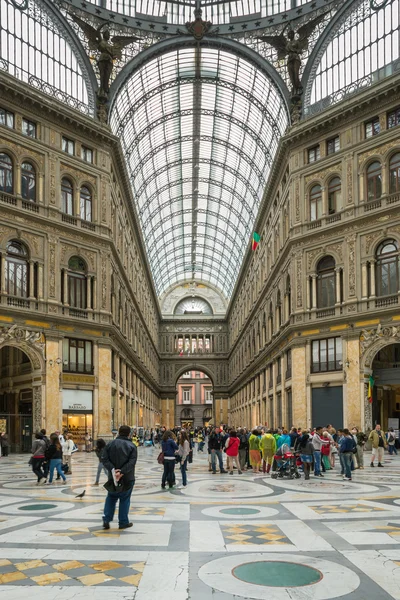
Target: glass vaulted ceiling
[{"x": 199, "y": 128}]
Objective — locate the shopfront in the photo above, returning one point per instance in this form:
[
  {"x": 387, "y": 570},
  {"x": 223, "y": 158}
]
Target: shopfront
[{"x": 78, "y": 415}]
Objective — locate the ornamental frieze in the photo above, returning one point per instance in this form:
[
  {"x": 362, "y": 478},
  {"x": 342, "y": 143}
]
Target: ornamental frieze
[
  {"x": 321, "y": 175},
  {"x": 370, "y": 336},
  {"x": 380, "y": 150}
]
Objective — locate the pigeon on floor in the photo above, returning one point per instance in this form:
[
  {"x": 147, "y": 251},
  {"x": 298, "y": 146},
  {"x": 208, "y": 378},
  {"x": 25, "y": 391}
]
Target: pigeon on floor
[{"x": 81, "y": 495}]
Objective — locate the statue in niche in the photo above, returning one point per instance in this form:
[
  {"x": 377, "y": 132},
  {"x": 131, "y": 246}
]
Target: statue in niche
[
  {"x": 99, "y": 41},
  {"x": 291, "y": 47}
]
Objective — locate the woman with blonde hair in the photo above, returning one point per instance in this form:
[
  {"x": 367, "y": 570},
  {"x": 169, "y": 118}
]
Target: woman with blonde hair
[{"x": 183, "y": 453}]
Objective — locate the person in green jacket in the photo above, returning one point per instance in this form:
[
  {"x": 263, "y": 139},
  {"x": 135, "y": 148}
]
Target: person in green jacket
[
  {"x": 254, "y": 450},
  {"x": 268, "y": 449}
]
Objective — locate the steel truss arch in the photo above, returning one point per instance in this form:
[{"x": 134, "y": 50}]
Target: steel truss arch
[
  {"x": 185, "y": 161},
  {"x": 203, "y": 196},
  {"x": 183, "y": 113},
  {"x": 204, "y": 138}
]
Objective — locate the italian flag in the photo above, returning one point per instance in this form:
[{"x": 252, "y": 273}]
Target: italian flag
[
  {"x": 256, "y": 241},
  {"x": 371, "y": 382}
]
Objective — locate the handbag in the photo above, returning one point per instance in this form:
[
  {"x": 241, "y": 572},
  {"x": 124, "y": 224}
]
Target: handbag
[{"x": 160, "y": 458}]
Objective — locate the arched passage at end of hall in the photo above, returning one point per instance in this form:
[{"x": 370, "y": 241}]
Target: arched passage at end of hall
[
  {"x": 20, "y": 399},
  {"x": 194, "y": 405},
  {"x": 385, "y": 373}
]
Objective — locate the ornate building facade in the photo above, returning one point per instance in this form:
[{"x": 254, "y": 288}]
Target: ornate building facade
[{"x": 129, "y": 195}]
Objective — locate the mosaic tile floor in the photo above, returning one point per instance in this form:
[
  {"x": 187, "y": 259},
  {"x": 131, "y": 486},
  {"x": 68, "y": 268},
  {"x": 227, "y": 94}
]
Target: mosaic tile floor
[{"x": 223, "y": 537}]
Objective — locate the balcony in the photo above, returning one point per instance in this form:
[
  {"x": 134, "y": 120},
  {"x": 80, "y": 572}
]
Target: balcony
[
  {"x": 327, "y": 312},
  {"x": 386, "y": 301},
  {"x": 30, "y": 206},
  {"x": 69, "y": 219},
  {"x": 79, "y": 313},
  {"x": 18, "y": 302},
  {"x": 372, "y": 205}
]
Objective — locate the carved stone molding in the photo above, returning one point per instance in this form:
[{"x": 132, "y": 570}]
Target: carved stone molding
[
  {"x": 311, "y": 256},
  {"x": 37, "y": 408},
  {"x": 30, "y": 341},
  {"x": 79, "y": 176},
  {"x": 321, "y": 175},
  {"x": 377, "y": 150},
  {"x": 372, "y": 340}
]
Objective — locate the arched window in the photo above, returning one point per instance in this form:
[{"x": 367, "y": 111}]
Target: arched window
[
  {"x": 334, "y": 195},
  {"x": 374, "y": 181},
  {"x": 315, "y": 203},
  {"x": 28, "y": 182},
  {"x": 17, "y": 271},
  {"x": 387, "y": 268},
  {"x": 77, "y": 286},
  {"x": 394, "y": 174},
  {"x": 85, "y": 200},
  {"x": 6, "y": 174},
  {"x": 67, "y": 197},
  {"x": 326, "y": 284}
]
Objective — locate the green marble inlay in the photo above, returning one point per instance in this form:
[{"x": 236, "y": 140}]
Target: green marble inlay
[
  {"x": 277, "y": 574},
  {"x": 37, "y": 507},
  {"x": 240, "y": 511}
]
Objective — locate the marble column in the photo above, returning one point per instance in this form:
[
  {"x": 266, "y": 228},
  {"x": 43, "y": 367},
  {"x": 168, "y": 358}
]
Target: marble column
[
  {"x": 372, "y": 275},
  {"x": 314, "y": 291},
  {"x": 364, "y": 282}
]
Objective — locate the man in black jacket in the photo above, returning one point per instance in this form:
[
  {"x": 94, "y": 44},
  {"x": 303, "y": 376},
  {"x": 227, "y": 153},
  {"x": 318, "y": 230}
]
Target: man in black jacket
[
  {"x": 215, "y": 444},
  {"x": 119, "y": 455}
]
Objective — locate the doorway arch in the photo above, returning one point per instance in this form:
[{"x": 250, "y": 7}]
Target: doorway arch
[
  {"x": 20, "y": 395},
  {"x": 385, "y": 371}
]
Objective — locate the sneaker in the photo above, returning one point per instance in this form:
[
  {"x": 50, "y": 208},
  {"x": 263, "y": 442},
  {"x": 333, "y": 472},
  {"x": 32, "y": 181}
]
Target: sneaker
[
  {"x": 126, "y": 526},
  {"x": 106, "y": 525},
  {"x": 346, "y": 478},
  {"x": 239, "y": 472},
  {"x": 380, "y": 465},
  {"x": 372, "y": 464},
  {"x": 361, "y": 467},
  {"x": 214, "y": 472},
  {"x": 223, "y": 471},
  {"x": 95, "y": 483},
  {"x": 50, "y": 483},
  {"x": 64, "y": 481},
  {"x": 320, "y": 475},
  {"x": 230, "y": 472}
]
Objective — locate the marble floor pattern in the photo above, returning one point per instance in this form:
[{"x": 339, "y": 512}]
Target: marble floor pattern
[{"x": 223, "y": 537}]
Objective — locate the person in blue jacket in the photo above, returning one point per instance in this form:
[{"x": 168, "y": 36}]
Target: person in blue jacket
[
  {"x": 284, "y": 438},
  {"x": 169, "y": 448},
  {"x": 346, "y": 446}
]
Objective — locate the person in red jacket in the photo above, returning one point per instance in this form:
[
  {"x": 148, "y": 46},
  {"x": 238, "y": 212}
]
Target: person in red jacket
[{"x": 232, "y": 452}]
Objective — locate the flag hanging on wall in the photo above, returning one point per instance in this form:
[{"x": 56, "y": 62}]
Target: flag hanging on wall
[
  {"x": 371, "y": 382},
  {"x": 256, "y": 241}
]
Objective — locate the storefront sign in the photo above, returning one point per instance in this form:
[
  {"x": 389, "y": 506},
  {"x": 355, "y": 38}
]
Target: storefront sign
[{"x": 77, "y": 400}]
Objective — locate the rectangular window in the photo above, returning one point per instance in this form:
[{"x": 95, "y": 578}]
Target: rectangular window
[
  {"x": 313, "y": 154},
  {"x": 68, "y": 146},
  {"x": 372, "y": 127},
  {"x": 270, "y": 375},
  {"x": 6, "y": 118},
  {"x": 186, "y": 394},
  {"x": 279, "y": 370},
  {"x": 393, "y": 118},
  {"x": 333, "y": 145},
  {"x": 87, "y": 154},
  {"x": 289, "y": 408},
  {"x": 29, "y": 128},
  {"x": 208, "y": 396},
  {"x": 187, "y": 375},
  {"x": 279, "y": 409},
  {"x": 327, "y": 355},
  {"x": 288, "y": 364},
  {"x": 77, "y": 356}
]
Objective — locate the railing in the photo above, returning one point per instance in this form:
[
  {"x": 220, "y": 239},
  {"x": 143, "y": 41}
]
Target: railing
[
  {"x": 81, "y": 314},
  {"x": 88, "y": 225},
  {"x": 333, "y": 218},
  {"x": 30, "y": 206},
  {"x": 393, "y": 198},
  {"x": 8, "y": 199},
  {"x": 314, "y": 224},
  {"x": 329, "y": 312},
  {"x": 18, "y": 302},
  {"x": 372, "y": 205},
  {"x": 69, "y": 219},
  {"x": 387, "y": 301}
]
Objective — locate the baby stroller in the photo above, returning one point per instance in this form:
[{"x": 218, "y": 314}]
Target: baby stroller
[{"x": 285, "y": 464}]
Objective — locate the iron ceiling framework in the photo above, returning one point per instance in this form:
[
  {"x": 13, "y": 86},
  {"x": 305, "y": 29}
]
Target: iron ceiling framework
[{"x": 199, "y": 125}]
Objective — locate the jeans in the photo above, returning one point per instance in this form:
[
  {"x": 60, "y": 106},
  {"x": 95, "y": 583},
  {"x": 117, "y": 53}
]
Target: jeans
[
  {"x": 100, "y": 466},
  {"x": 169, "y": 473},
  {"x": 317, "y": 462},
  {"x": 347, "y": 458},
  {"x": 341, "y": 464},
  {"x": 183, "y": 471},
  {"x": 392, "y": 449},
  {"x": 201, "y": 446},
  {"x": 214, "y": 454},
  {"x": 37, "y": 468},
  {"x": 55, "y": 463},
  {"x": 123, "y": 509}
]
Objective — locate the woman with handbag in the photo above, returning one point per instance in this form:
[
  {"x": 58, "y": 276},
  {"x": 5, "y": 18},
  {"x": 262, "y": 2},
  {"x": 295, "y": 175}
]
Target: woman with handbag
[
  {"x": 37, "y": 458},
  {"x": 168, "y": 449},
  {"x": 232, "y": 452},
  {"x": 183, "y": 455},
  {"x": 54, "y": 455}
]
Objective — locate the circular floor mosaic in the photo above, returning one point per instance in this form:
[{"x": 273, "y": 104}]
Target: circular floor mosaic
[
  {"x": 277, "y": 574},
  {"x": 223, "y": 487},
  {"x": 323, "y": 486},
  {"x": 279, "y": 577},
  {"x": 240, "y": 512},
  {"x": 37, "y": 507}
]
